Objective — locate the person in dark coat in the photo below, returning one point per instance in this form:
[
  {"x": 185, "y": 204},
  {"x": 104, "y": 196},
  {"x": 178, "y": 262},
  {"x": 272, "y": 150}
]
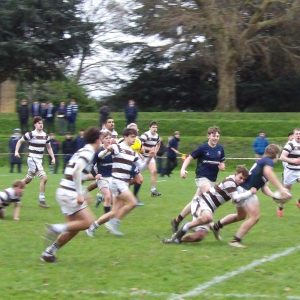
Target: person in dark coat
[
  {"x": 172, "y": 152},
  {"x": 35, "y": 109},
  {"x": 79, "y": 141},
  {"x": 61, "y": 118},
  {"x": 131, "y": 112},
  {"x": 55, "y": 148},
  {"x": 12, "y": 146},
  {"x": 68, "y": 148},
  {"x": 104, "y": 112},
  {"x": 23, "y": 112},
  {"x": 50, "y": 116}
]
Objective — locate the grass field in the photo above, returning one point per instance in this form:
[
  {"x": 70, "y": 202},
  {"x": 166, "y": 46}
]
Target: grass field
[{"x": 138, "y": 265}]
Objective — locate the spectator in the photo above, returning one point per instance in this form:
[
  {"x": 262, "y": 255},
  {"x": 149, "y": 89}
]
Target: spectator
[
  {"x": 12, "y": 146},
  {"x": 35, "y": 109},
  {"x": 55, "y": 147},
  {"x": 67, "y": 148},
  {"x": 72, "y": 110},
  {"x": 44, "y": 107},
  {"x": 49, "y": 117},
  {"x": 160, "y": 158},
  {"x": 260, "y": 143},
  {"x": 79, "y": 141},
  {"x": 104, "y": 113},
  {"x": 23, "y": 112},
  {"x": 131, "y": 112},
  {"x": 61, "y": 118},
  {"x": 172, "y": 152}
]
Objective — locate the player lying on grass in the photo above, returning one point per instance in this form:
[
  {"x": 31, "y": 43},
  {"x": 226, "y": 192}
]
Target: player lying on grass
[
  {"x": 204, "y": 206},
  {"x": 11, "y": 195},
  {"x": 248, "y": 209}
]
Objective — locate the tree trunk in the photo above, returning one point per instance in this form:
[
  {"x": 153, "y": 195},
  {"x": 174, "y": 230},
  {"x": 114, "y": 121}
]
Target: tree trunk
[{"x": 226, "y": 66}]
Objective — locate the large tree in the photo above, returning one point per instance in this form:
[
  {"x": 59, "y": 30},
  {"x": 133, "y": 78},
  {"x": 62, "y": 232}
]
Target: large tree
[
  {"x": 226, "y": 34},
  {"x": 38, "y": 37}
]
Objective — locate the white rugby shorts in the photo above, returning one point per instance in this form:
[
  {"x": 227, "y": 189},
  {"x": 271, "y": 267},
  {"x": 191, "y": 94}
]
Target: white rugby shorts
[
  {"x": 290, "y": 176},
  {"x": 35, "y": 167},
  {"x": 250, "y": 200},
  {"x": 104, "y": 182},
  {"x": 118, "y": 187},
  {"x": 67, "y": 201},
  {"x": 198, "y": 207}
]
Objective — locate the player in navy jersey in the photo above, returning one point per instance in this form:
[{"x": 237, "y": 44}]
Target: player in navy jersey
[
  {"x": 210, "y": 159},
  {"x": 260, "y": 173}
]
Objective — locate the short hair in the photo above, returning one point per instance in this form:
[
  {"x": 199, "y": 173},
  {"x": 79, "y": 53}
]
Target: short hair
[
  {"x": 214, "y": 130},
  {"x": 91, "y": 135},
  {"x": 131, "y": 125},
  {"x": 296, "y": 129},
  {"x": 37, "y": 119},
  {"x": 153, "y": 123},
  {"x": 129, "y": 131},
  {"x": 272, "y": 151},
  {"x": 18, "y": 183},
  {"x": 109, "y": 118},
  {"x": 290, "y": 133},
  {"x": 242, "y": 169},
  {"x": 105, "y": 134}
]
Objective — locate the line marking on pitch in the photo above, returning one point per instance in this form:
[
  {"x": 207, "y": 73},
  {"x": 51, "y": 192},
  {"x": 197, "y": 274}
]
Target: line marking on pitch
[{"x": 200, "y": 289}]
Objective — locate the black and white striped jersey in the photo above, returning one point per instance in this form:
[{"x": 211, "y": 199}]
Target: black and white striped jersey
[{"x": 36, "y": 143}]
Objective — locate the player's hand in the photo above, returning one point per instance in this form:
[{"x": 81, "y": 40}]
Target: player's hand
[
  {"x": 17, "y": 154},
  {"x": 80, "y": 199},
  {"x": 221, "y": 166},
  {"x": 53, "y": 161},
  {"x": 152, "y": 152},
  {"x": 285, "y": 193},
  {"x": 183, "y": 173},
  {"x": 296, "y": 161},
  {"x": 98, "y": 176},
  {"x": 253, "y": 190}
]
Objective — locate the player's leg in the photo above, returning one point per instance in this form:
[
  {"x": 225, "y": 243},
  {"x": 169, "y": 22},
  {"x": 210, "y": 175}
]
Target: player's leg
[{"x": 153, "y": 175}]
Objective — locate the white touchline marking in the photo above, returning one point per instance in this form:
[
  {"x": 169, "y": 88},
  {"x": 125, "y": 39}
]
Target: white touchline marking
[
  {"x": 251, "y": 296},
  {"x": 161, "y": 180},
  {"x": 219, "y": 279}
]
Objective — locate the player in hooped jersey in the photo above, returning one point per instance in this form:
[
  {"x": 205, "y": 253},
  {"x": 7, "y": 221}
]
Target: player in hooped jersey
[
  {"x": 151, "y": 142},
  {"x": 37, "y": 140},
  {"x": 260, "y": 173},
  {"x": 124, "y": 158},
  {"x": 204, "y": 206},
  {"x": 210, "y": 159},
  {"x": 290, "y": 155},
  {"x": 12, "y": 195},
  {"x": 72, "y": 197}
]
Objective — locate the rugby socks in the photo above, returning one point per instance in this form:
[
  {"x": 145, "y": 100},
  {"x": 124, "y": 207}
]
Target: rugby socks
[
  {"x": 94, "y": 226},
  {"x": 186, "y": 227},
  {"x": 136, "y": 188},
  {"x": 217, "y": 226},
  {"x": 52, "y": 249},
  {"x": 106, "y": 209},
  {"x": 236, "y": 239},
  {"x": 179, "y": 218},
  {"x": 42, "y": 197},
  {"x": 153, "y": 189}
]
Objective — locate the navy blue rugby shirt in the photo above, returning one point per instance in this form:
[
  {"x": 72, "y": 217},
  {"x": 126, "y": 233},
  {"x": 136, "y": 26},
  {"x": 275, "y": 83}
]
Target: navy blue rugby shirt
[
  {"x": 208, "y": 159},
  {"x": 103, "y": 165},
  {"x": 256, "y": 178}
]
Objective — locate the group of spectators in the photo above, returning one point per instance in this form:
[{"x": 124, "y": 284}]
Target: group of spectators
[{"x": 64, "y": 115}]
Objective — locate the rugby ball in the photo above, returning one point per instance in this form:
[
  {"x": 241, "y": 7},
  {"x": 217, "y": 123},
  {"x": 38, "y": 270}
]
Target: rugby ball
[
  {"x": 137, "y": 146},
  {"x": 279, "y": 198}
]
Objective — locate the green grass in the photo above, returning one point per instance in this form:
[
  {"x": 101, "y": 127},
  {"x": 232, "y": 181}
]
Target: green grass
[{"x": 138, "y": 266}]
